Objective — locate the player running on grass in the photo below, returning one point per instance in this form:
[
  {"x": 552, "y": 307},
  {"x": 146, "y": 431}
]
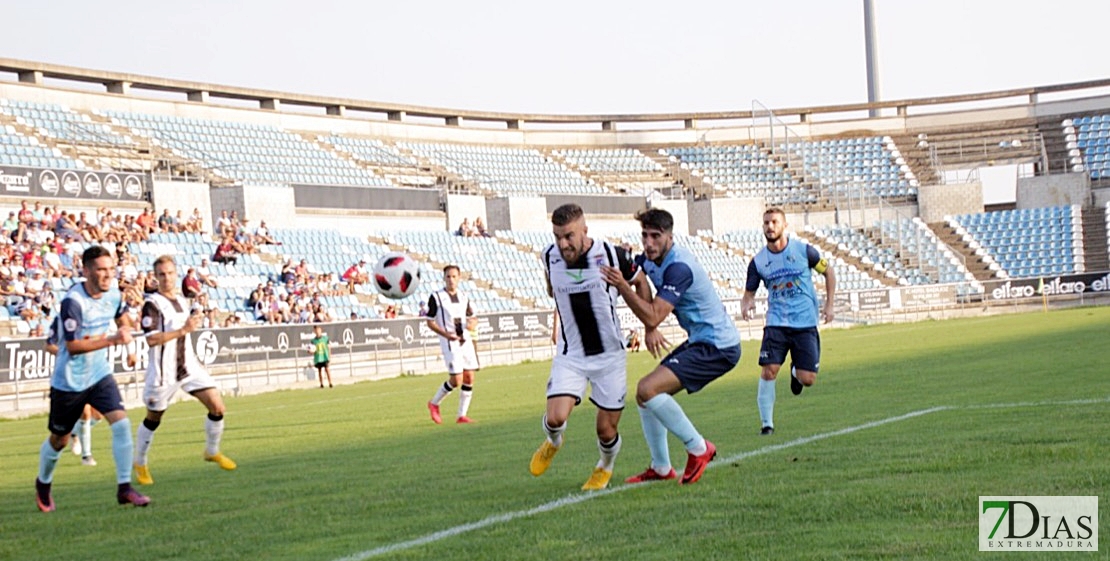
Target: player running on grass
[
  {"x": 452, "y": 318},
  {"x": 173, "y": 365},
  {"x": 83, "y": 374},
  {"x": 792, "y": 312},
  {"x": 711, "y": 349},
  {"x": 589, "y": 345}
]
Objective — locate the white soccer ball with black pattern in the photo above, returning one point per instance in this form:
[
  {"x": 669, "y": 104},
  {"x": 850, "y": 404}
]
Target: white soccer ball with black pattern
[{"x": 396, "y": 275}]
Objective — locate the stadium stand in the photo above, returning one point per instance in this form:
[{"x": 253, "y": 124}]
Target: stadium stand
[
  {"x": 506, "y": 171},
  {"x": 1089, "y": 136},
  {"x": 622, "y": 170},
  {"x": 872, "y": 163},
  {"x": 248, "y": 153},
  {"x": 1028, "y": 242},
  {"x": 741, "y": 171}
]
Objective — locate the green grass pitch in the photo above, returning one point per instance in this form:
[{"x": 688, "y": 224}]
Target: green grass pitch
[{"x": 912, "y": 423}]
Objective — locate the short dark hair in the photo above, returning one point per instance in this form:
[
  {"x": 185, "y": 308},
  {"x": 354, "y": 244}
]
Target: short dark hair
[
  {"x": 92, "y": 254},
  {"x": 775, "y": 210},
  {"x": 566, "y": 214},
  {"x": 655, "y": 218},
  {"x": 449, "y": 267}
]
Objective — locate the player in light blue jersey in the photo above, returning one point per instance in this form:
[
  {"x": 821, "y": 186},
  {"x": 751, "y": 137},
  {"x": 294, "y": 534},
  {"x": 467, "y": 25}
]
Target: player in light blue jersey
[
  {"x": 711, "y": 349},
  {"x": 783, "y": 267},
  {"x": 83, "y": 374}
]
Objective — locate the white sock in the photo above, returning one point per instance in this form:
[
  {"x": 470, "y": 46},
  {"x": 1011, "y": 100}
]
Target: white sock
[
  {"x": 608, "y": 453},
  {"x": 554, "y": 434},
  {"x": 441, "y": 393},
  {"x": 464, "y": 399},
  {"x": 213, "y": 432},
  {"x": 86, "y": 437},
  {"x": 143, "y": 439}
]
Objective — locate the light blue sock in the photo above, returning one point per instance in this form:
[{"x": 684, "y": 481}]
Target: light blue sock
[
  {"x": 122, "y": 449},
  {"x": 670, "y": 413},
  {"x": 656, "y": 436},
  {"x": 48, "y": 460},
  {"x": 766, "y": 400}
]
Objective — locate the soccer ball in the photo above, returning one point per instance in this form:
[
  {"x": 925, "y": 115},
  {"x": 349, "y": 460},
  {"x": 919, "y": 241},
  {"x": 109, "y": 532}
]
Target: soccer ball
[{"x": 396, "y": 275}]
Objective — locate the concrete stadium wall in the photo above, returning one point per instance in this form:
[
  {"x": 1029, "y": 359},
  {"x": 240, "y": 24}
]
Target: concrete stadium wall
[
  {"x": 275, "y": 205},
  {"x": 518, "y": 213},
  {"x": 680, "y": 212},
  {"x": 467, "y": 207},
  {"x": 727, "y": 215},
  {"x": 184, "y": 196},
  {"x": 937, "y": 201},
  {"x": 1053, "y": 190}
]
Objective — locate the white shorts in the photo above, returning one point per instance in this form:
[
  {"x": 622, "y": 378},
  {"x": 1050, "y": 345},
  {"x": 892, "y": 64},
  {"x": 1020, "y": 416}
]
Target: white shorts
[
  {"x": 157, "y": 397},
  {"x": 459, "y": 357},
  {"x": 606, "y": 374}
]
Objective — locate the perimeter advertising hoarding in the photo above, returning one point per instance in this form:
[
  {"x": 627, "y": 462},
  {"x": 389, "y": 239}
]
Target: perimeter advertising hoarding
[
  {"x": 18, "y": 181},
  {"x": 1055, "y": 285},
  {"x": 25, "y": 359}
]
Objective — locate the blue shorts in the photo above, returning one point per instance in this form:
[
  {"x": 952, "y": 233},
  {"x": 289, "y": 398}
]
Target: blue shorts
[
  {"x": 804, "y": 346},
  {"x": 66, "y": 407},
  {"x": 697, "y": 364}
]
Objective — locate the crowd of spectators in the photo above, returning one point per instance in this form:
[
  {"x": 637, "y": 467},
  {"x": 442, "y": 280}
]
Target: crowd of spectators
[{"x": 41, "y": 247}]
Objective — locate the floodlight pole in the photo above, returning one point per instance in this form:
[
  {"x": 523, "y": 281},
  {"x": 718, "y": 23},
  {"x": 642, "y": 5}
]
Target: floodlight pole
[{"x": 871, "y": 48}]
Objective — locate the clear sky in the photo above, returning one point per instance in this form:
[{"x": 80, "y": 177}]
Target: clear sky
[{"x": 574, "y": 56}]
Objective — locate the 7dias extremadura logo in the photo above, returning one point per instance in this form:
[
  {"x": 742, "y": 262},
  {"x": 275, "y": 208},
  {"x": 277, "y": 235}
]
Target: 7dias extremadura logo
[{"x": 1038, "y": 523}]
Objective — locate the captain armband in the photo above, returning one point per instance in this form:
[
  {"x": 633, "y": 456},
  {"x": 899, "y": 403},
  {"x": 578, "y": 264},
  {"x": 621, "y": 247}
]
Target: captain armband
[{"x": 821, "y": 266}]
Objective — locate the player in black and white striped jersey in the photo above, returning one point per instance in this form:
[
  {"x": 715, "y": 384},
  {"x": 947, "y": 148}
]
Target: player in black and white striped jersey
[
  {"x": 589, "y": 341},
  {"x": 451, "y": 316},
  {"x": 173, "y": 365}
]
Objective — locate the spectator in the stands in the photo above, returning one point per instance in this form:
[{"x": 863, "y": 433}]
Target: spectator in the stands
[
  {"x": 190, "y": 284},
  {"x": 144, "y": 223},
  {"x": 196, "y": 222},
  {"x": 465, "y": 229},
  {"x": 167, "y": 223},
  {"x": 66, "y": 228},
  {"x": 204, "y": 273},
  {"x": 25, "y": 215},
  {"x": 355, "y": 275},
  {"x": 225, "y": 252},
  {"x": 38, "y": 235},
  {"x": 480, "y": 228},
  {"x": 244, "y": 239},
  {"x": 11, "y": 223},
  {"x": 223, "y": 224},
  {"x": 262, "y": 235}
]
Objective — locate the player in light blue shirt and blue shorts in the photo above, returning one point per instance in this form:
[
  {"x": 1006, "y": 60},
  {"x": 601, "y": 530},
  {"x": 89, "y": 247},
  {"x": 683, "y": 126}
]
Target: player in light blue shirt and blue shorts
[
  {"x": 783, "y": 266},
  {"x": 711, "y": 349},
  {"x": 83, "y": 374}
]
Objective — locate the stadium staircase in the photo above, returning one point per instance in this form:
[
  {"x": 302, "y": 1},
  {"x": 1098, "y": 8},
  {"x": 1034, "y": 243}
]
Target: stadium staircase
[
  {"x": 43, "y": 140},
  {"x": 1095, "y": 256},
  {"x": 828, "y": 248},
  {"x": 917, "y": 157},
  {"x": 398, "y": 175},
  {"x": 1057, "y": 150},
  {"x": 679, "y": 174},
  {"x": 453, "y": 181},
  {"x": 979, "y": 268},
  {"x": 638, "y": 183},
  {"x": 794, "y": 166}
]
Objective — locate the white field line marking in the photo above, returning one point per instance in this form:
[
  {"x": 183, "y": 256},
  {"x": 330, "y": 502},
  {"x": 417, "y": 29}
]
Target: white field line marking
[
  {"x": 578, "y": 498},
  {"x": 582, "y": 497}
]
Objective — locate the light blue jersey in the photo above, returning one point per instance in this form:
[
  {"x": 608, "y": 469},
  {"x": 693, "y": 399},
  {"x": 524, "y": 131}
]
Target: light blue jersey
[
  {"x": 84, "y": 317},
  {"x": 681, "y": 281},
  {"x": 792, "y": 300}
]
